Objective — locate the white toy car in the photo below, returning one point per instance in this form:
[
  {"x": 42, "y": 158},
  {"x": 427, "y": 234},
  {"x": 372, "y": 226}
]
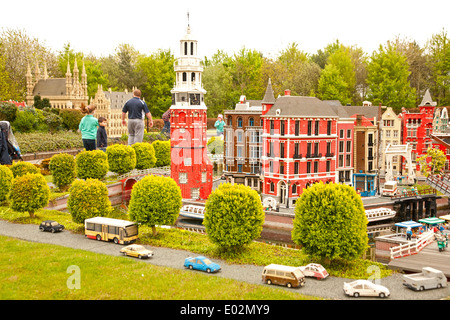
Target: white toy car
[
  {"x": 314, "y": 270},
  {"x": 365, "y": 288}
]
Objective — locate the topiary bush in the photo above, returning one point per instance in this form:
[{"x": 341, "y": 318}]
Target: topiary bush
[
  {"x": 234, "y": 216},
  {"x": 91, "y": 164},
  {"x": 330, "y": 222},
  {"x": 121, "y": 158},
  {"x": 6, "y": 177},
  {"x": 62, "y": 166},
  {"x": 87, "y": 199},
  {"x": 145, "y": 155},
  {"x": 21, "y": 168},
  {"x": 29, "y": 193},
  {"x": 71, "y": 118},
  {"x": 155, "y": 201},
  {"x": 24, "y": 121},
  {"x": 162, "y": 153}
]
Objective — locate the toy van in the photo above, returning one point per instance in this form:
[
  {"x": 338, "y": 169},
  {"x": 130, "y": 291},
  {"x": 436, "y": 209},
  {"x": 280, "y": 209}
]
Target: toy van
[
  {"x": 390, "y": 188},
  {"x": 283, "y": 275}
]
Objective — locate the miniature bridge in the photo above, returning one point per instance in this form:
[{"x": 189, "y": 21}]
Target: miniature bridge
[{"x": 440, "y": 183}]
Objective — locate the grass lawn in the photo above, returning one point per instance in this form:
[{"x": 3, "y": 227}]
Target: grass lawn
[
  {"x": 256, "y": 253},
  {"x": 40, "y": 271}
]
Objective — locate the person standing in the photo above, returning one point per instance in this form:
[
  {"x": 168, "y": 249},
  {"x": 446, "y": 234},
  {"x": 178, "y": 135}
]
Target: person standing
[
  {"x": 102, "y": 138},
  {"x": 166, "y": 119},
  {"x": 135, "y": 107},
  {"x": 219, "y": 125},
  {"x": 88, "y": 127}
]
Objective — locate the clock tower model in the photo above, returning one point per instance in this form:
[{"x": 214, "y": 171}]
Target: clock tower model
[{"x": 190, "y": 166}]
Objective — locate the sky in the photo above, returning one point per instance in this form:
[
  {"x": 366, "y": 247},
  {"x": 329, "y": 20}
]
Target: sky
[{"x": 99, "y": 26}]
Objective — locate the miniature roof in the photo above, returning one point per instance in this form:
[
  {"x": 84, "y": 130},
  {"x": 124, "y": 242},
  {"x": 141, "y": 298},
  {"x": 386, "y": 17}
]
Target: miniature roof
[
  {"x": 301, "y": 106},
  {"x": 427, "y": 100},
  {"x": 432, "y": 220},
  {"x": 118, "y": 99},
  {"x": 410, "y": 224},
  {"x": 446, "y": 217},
  {"x": 50, "y": 87},
  {"x": 268, "y": 96}
]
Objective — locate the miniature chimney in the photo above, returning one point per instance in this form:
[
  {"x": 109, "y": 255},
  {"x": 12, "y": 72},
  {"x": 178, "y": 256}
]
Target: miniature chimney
[{"x": 287, "y": 93}]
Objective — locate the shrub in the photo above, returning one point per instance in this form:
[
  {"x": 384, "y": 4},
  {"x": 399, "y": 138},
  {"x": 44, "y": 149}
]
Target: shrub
[
  {"x": 121, "y": 158},
  {"x": 62, "y": 167},
  {"x": 162, "y": 153},
  {"x": 330, "y": 222},
  {"x": 215, "y": 145},
  {"x": 87, "y": 199},
  {"x": 21, "y": 168},
  {"x": 8, "y": 111},
  {"x": 71, "y": 118},
  {"x": 91, "y": 164},
  {"x": 41, "y": 142},
  {"x": 145, "y": 155},
  {"x": 155, "y": 201},
  {"x": 53, "y": 121},
  {"x": 24, "y": 121},
  {"x": 6, "y": 177},
  {"x": 29, "y": 193},
  {"x": 234, "y": 216}
]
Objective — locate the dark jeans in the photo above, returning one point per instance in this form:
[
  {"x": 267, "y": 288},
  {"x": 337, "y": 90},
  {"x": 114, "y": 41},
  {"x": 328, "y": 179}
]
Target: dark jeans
[
  {"x": 166, "y": 127},
  {"x": 89, "y": 144}
]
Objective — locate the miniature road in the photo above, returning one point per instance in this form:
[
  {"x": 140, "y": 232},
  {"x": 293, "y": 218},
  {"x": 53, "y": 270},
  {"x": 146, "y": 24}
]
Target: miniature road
[{"x": 330, "y": 288}]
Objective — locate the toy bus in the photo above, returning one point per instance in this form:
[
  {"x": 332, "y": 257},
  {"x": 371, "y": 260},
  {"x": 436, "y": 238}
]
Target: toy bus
[{"x": 108, "y": 229}]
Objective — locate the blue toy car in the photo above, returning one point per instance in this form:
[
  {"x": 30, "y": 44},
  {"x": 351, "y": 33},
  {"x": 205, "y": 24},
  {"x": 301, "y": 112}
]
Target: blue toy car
[{"x": 201, "y": 263}]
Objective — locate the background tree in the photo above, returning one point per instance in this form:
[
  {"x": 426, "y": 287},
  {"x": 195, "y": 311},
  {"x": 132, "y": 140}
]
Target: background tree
[
  {"x": 19, "y": 50},
  {"x": 8, "y": 88},
  {"x": 155, "y": 201},
  {"x": 330, "y": 222},
  {"x": 432, "y": 162},
  {"x": 388, "y": 73},
  {"x": 438, "y": 49},
  {"x": 156, "y": 79},
  {"x": 234, "y": 216}
]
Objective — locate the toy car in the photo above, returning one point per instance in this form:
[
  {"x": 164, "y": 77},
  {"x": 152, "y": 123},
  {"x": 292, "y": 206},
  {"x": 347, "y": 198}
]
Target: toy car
[
  {"x": 50, "y": 225},
  {"x": 135, "y": 250},
  {"x": 314, "y": 270},
  {"x": 365, "y": 288},
  {"x": 201, "y": 263}
]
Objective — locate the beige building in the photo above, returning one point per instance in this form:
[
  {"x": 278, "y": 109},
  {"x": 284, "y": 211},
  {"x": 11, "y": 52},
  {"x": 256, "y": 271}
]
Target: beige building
[
  {"x": 390, "y": 133},
  {"x": 64, "y": 93},
  {"x": 109, "y": 105}
]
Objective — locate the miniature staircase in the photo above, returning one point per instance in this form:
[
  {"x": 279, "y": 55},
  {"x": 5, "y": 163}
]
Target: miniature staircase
[{"x": 440, "y": 183}]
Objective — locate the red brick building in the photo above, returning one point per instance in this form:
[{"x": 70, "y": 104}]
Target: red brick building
[
  {"x": 190, "y": 165},
  {"x": 299, "y": 145}
]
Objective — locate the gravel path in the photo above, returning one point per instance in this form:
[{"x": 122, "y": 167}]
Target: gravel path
[{"x": 330, "y": 288}]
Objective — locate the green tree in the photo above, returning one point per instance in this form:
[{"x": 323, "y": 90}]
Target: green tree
[
  {"x": 432, "y": 162},
  {"x": 332, "y": 86},
  {"x": 330, "y": 222},
  {"x": 156, "y": 80},
  {"x": 234, "y": 216},
  {"x": 155, "y": 201},
  {"x": 387, "y": 78},
  {"x": 88, "y": 199},
  {"x": 29, "y": 193},
  {"x": 438, "y": 49},
  {"x": 8, "y": 88}
]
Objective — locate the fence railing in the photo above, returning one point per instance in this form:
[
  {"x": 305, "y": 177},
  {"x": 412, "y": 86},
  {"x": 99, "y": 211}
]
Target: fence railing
[{"x": 412, "y": 247}]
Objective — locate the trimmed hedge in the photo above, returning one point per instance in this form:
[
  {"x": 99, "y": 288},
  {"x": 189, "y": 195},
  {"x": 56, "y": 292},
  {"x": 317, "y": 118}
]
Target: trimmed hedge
[
  {"x": 21, "y": 168},
  {"x": 63, "y": 169},
  {"x": 121, "y": 158},
  {"x": 145, "y": 155},
  {"x": 87, "y": 199},
  {"x": 6, "y": 177},
  {"x": 91, "y": 164},
  {"x": 29, "y": 193},
  {"x": 162, "y": 153}
]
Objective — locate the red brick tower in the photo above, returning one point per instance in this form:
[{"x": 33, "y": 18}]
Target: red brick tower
[{"x": 190, "y": 166}]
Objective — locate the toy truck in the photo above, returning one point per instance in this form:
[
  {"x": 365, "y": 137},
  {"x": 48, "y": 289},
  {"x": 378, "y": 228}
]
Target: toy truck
[
  {"x": 390, "y": 189},
  {"x": 429, "y": 278}
]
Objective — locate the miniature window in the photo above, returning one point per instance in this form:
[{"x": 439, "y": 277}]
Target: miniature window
[
  {"x": 195, "y": 194},
  {"x": 239, "y": 122},
  {"x": 182, "y": 177},
  {"x": 203, "y": 176},
  {"x": 251, "y": 122}
]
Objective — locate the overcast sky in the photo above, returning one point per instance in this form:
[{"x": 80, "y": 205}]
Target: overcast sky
[{"x": 99, "y": 26}]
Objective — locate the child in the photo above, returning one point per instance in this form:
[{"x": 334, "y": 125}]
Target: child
[
  {"x": 219, "y": 125},
  {"x": 88, "y": 127},
  {"x": 102, "y": 138}
]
